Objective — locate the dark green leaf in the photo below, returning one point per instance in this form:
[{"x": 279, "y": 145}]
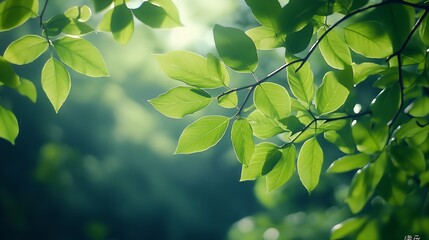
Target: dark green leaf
[
  {"x": 348, "y": 163},
  {"x": 291, "y": 124},
  {"x": 283, "y": 170},
  {"x": 272, "y": 100},
  {"x": 296, "y": 14},
  {"x": 55, "y": 82},
  {"x": 369, "y": 139},
  {"x": 348, "y": 227},
  {"x": 342, "y": 139},
  {"x": 100, "y": 5},
  {"x": 386, "y": 104},
  {"x": 9, "y": 128},
  {"x": 266, "y": 12},
  {"x": 120, "y": 22},
  {"x": 263, "y": 152},
  {"x": 242, "y": 140},
  {"x": 407, "y": 158},
  {"x": 310, "y": 161},
  {"x": 156, "y": 14},
  {"x": 298, "y": 41},
  {"x": 7, "y": 75},
  {"x": 26, "y": 49},
  {"x": 424, "y": 31},
  {"x": 13, "y": 13}
]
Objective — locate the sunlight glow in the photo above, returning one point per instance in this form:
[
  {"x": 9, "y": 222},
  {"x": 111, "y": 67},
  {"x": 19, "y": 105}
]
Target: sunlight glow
[{"x": 271, "y": 234}]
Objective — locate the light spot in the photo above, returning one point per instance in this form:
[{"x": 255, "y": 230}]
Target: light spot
[
  {"x": 245, "y": 225},
  {"x": 271, "y": 234},
  {"x": 357, "y": 108}
]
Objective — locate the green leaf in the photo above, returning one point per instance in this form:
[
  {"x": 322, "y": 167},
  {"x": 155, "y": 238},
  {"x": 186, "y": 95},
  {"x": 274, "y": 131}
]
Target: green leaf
[
  {"x": 362, "y": 71},
  {"x": 55, "y": 82},
  {"x": 120, "y": 22},
  {"x": 310, "y": 161},
  {"x": 26, "y": 49},
  {"x": 334, "y": 50},
  {"x": 265, "y": 38},
  {"x": 295, "y": 15},
  {"x": 364, "y": 183},
  {"x": 348, "y": 163},
  {"x": 242, "y": 140},
  {"x": 283, "y": 170},
  {"x": 408, "y": 159},
  {"x": 291, "y": 124},
  {"x": 81, "y": 56},
  {"x": 266, "y": 12},
  {"x": 342, "y": 139},
  {"x": 190, "y": 68},
  {"x": 100, "y": 5},
  {"x": 80, "y": 13},
  {"x": 7, "y": 75},
  {"x": 181, "y": 101},
  {"x": 158, "y": 14},
  {"x": 262, "y": 126},
  {"x": 424, "y": 31},
  {"x": 27, "y": 89},
  {"x": 9, "y": 128},
  {"x": 272, "y": 100},
  {"x": 419, "y": 108},
  {"x": 202, "y": 134},
  {"x": 386, "y": 104},
  {"x": 368, "y": 38},
  {"x": 229, "y": 100},
  {"x": 331, "y": 95},
  {"x": 410, "y": 129},
  {"x": 13, "y": 13},
  {"x": 301, "y": 82},
  {"x": 235, "y": 48},
  {"x": 369, "y": 231},
  {"x": 263, "y": 152},
  {"x": 347, "y": 227},
  {"x": 298, "y": 41},
  {"x": 217, "y": 69},
  {"x": 369, "y": 139}
]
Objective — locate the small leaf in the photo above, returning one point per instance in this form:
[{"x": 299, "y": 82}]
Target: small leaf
[
  {"x": 283, "y": 170},
  {"x": 9, "y": 128},
  {"x": 362, "y": 71},
  {"x": 262, "y": 126},
  {"x": 419, "y": 108},
  {"x": 55, "y": 82},
  {"x": 242, "y": 140},
  {"x": 347, "y": 227},
  {"x": 407, "y": 158},
  {"x": 158, "y": 14},
  {"x": 342, "y": 139},
  {"x": 266, "y": 12},
  {"x": 265, "y": 38},
  {"x": 190, "y": 68},
  {"x": 310, "y": 161},
  {"x": 181, "y": 101},
  {"x": 27, "y": 89},
  {"x": 263, "y": 152},
  {"x": 348, "y": 163},
  {"x": 369, "y": 139},
  {"x": 301, "y": 82},
  {"x": 217, "y": 69},
  {"x": 272, "y": 100},
  {"x": 298, "y": 41},
  {"x": 202, "y": 134},
  {"x": 235, "y": 48},
  {"x": 7, "y": 75},
  {"x": 331, "y": 95},
  {"x": 120, "y": 22},
  {"x": 364, "y": 183},
  {"x": 297, "y": 13},
  {"x": 26, "y": 49},
  {"x": 229, "y": 100},
  {"x": 81, "y": 56},
  {"x": 386, "y": 104},
  {"x": 80, "y": 13},
  {"x": 14, "y": 13},
  {"x": 334, "y": 50}
]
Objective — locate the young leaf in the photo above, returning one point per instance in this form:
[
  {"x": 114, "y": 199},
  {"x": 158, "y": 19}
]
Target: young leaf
[
  {"x": 369, "y": 139},
  {"x": 242, "y": 140},
  {"x": 181, "y": 101},
  {"x": 334, "y": 50},
  {"x": 217, "y": 69},
  {"x": 419, "y": 108},
  {"x": 235, "y": 48},
  {"x": 283, "y": 170},
  {"x": 348, "y": 163},
  {"x": 81, "y": 56},
  {"x": 298, "y": 41},
  {"x": 158, "y": 14},
  {"x": 266, "y": 12},
  {"x": 189, "y": 68},
  {"x": 301, "y": 82},
  {"x": 364, "y": 70},
  {"x": 407, "y": 158},
  {"x": 342, "y": 139},
  {"x": 26, "y": 49},
  {"x": 79, "y": 13},
  {"x": 120, "y": 22},
  {"x": 202, "y": 134},
  {"x": 331, "y": 95},
  {"x": 386, "y": 104},
  {"x": 348, "y": 227},
  {"x": 265, "y": 38},
  {"x": 262, "y": 126},
  {"x": 272, "y": 100},
  {"x": 27, "y": 89},
  {"x": 229, "y": 100},
  {"x": 55, "y": 82},
  {"x": 263, "y": 152},
  {"x": 9, "y": 128},
  {"x": 297, "y": 13},
  {"x": 310, "y": 161},
  {"x": 7, "y": 75},
  {"x": 369, "y": 39},
  {"x": 13, "y": 13}
]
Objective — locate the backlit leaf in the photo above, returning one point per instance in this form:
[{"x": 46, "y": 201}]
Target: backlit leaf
[
  {"x": 9, "y": 128},
  {"x": 342, "y": 139},
  {"x": 13, "y": 13},
  {"x": 334, "y": 50},
  {"x": 202, "y": 134},
  {"x": 283, "y": 170},
  {"x": 7, "y": 75},
  {"x": 242, "y": 140},
  {"x": 217, "y": 69},
  {"x": 27, "y": 89},
  {"x": 120, "y": 22},
  {"x": 348, "y": 163},
  {"x": 347, "y": 227},
  {"x": 80, "y": 13},
  {"x": 262, "y": 126},
  {"x": 55, "y": 82},
  {"x": 310, "y": 161},
  {"x": 272, "y": 100},
  {"x": 419, "y": 108},
  {"x": 81, "y": 56},
  {"x": 158, "y": 14},
  {"x": 331, "y": 95},
  {"x": 266, "y": 12},
  {"x": 229, "y": 100},
  {"x": 265, "y": 38},
  {"x": 301, "y": 82},
  {"x": 263, "y": 152},
  {"x": 369, "y": 139},
  {"x": 181, "y": 101},
  {"x": 362, "y": 71},
  {"x": 26, "y": 49},
  {"x": 235, "y": 48}
]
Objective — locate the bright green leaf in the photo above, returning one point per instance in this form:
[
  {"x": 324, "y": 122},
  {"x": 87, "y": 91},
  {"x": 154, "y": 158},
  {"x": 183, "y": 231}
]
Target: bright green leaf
[
  {"x": 334, "y": 50},
  {"x": 202, "y": 134},
  {"x": 81, "y": 56},
  {"x": 419, "y": 108},
  {"x": 295, "y": 15},
  {"x": 9, "y": 128},
  {"x": 347, "y": 228},
  {"x": 262, "y": 126},
  {"x": 120, "y": 22},
  {"x": 266, "y": 12},
  {"x": 362, "y": 71},
  {"x": 7, "y": 75},
  {"x": 369, "y": 231},
  {"x": 55, "y": 82},
  {"x": 229, "y": 100},
  {"x": 331, "y": 95},
  {"x": 369, "y": 139},
  {"x": 80, "y": 13},
  {"x": 310, "y": 161},
  {"x": 411, "y": 128},
  {"x": 272, "y": 100},
  {"x": 27, "y": 89},
  {"x": 26, "y": 49},
  {"x": 342, "y": 139},
  {"x": 386, "y": 104},
  {"x": 265, "y": 38},
  {"x": 348, "y": 163},
  {"x": 263, "y": 152},
  {"x": 298, "y": 41},
  {"x": 407, "y": 158},
  {"x": 242, "y": 140},
  {"x": 235, "y": 48},
  {"x": 217, "y": 69},
  {"x": 283, "y": 170},
  {"x": 13, "y": 13},
  {"x": 301, "y": 82},
  {"x": 364, "y": 183},
  {"x": 189, "y": 68},
  {"x": 181, "y": 101},
  {"x": 153, "y": 14},
  {"x": 291, "y": 124}
]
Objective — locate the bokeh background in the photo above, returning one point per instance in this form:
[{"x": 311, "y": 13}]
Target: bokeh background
[{"x": 104, "y": 168}]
